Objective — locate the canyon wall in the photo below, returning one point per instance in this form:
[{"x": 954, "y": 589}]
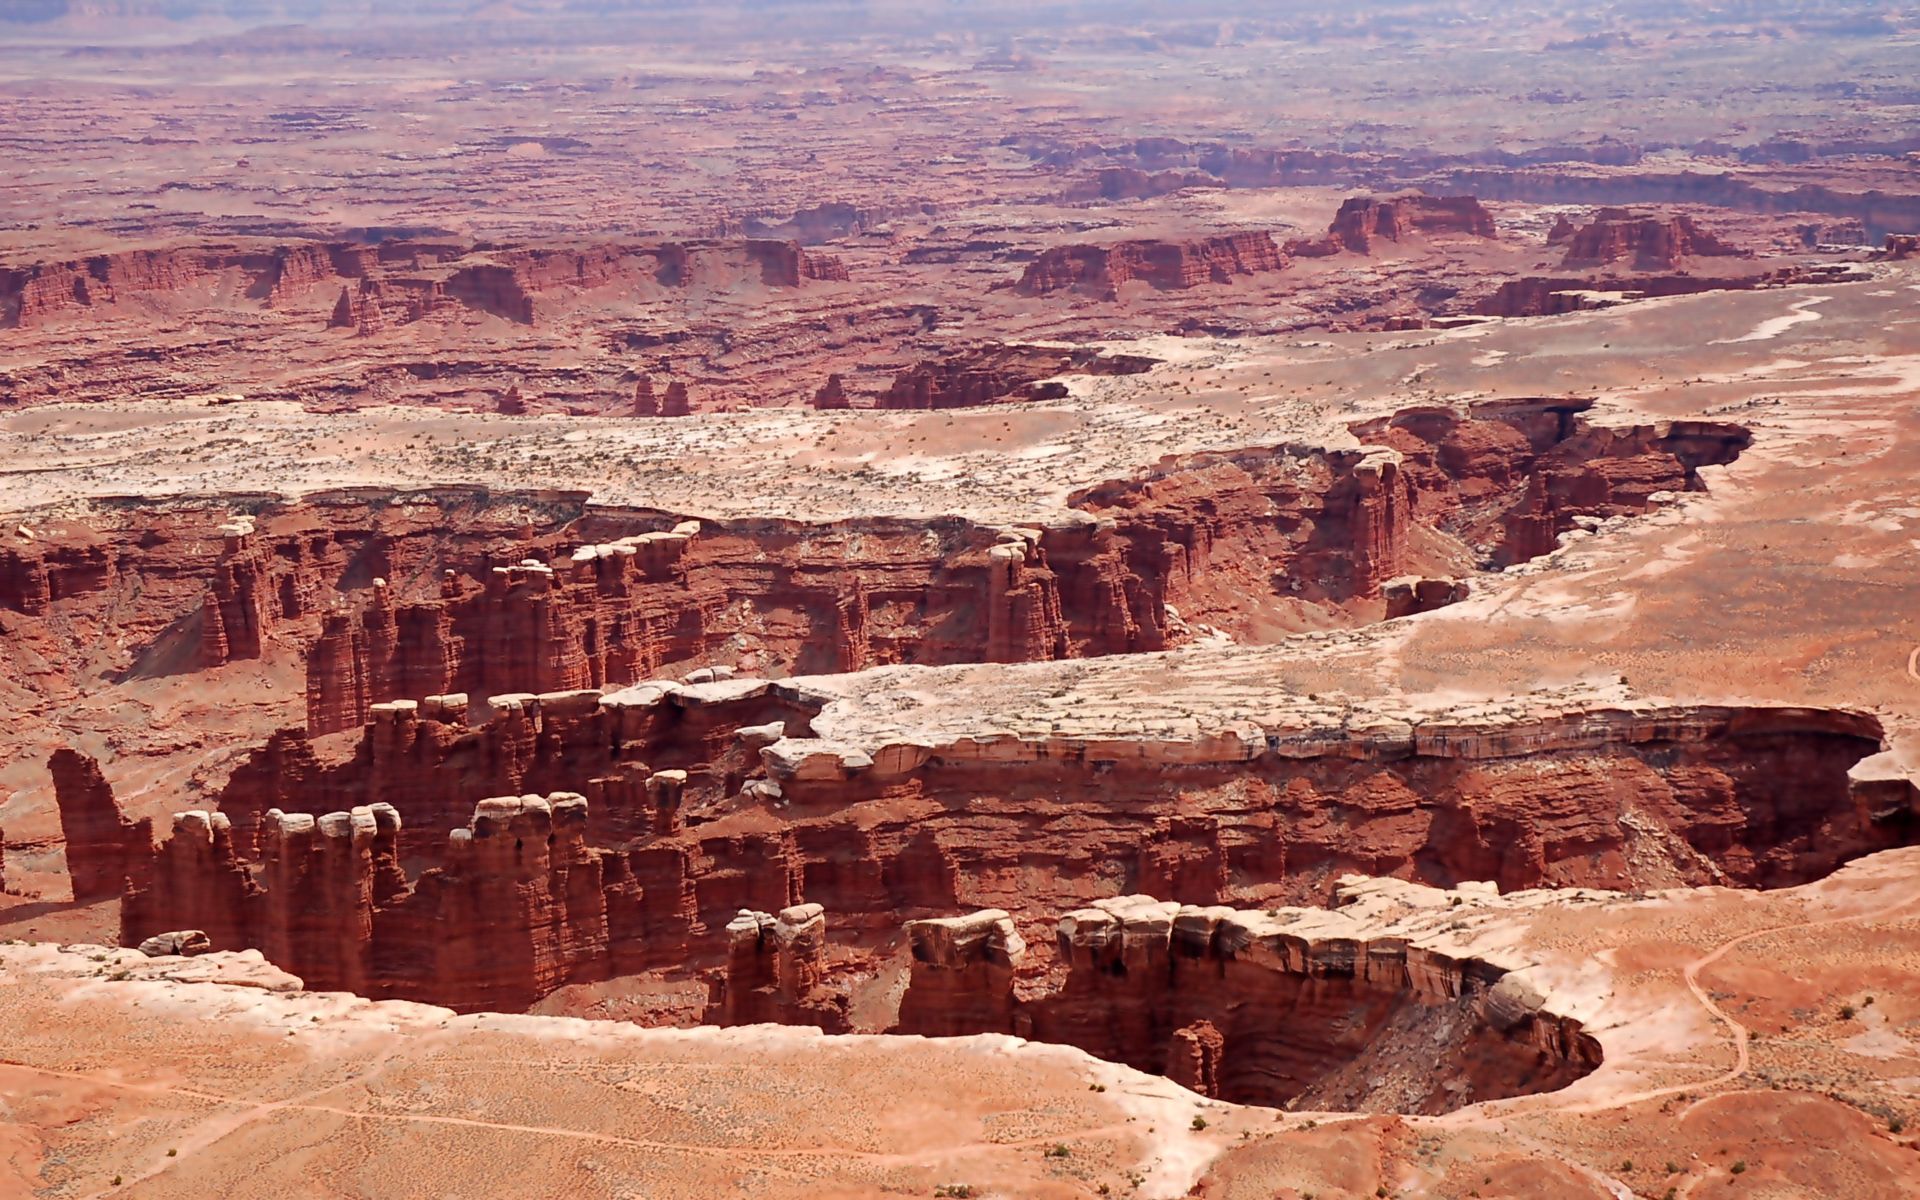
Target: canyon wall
[
  {"x": 101, "y": 841},
  {"x": 978, "y": 375},
  {"x": 633, "y": 828},
  {"x": 1168, "y": 265},
  {"x": 1364, "y": 221},
  {"x": 398, "y": 281},
  {"x": 1653, "y": 242},
  {"x": 1251, "y": 542},
  {"x": 1355, "y": 1007}
]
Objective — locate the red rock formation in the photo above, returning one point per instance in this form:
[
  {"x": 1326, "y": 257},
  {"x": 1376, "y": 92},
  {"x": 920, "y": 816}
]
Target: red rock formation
[
  {"x": 1542, "y": 296},
  {"x": 985, "y": 374},
  {"x": 1410, "y": 594},
  {"x": 1199, "y": 535},
  {"x": 496, "y": 289},
  {"x": 1512, "y": 476},
  {"x": 962, "y": 976},
  {"x": 1653, "y": 242},
  {"x": 344, "y": 316},
  {"x": 512, "y": 404},
  {"x": 776, "y": 972},
  {"x": 645, "y": 403},
  {"x": 238, "y": 609},
  {"x": 320, "y": 883},
  {"x": 828, "y": 222},
  {"x": 398, "y": 280},
  {"x": 1899, "y": 247},
  {"x": 676, "y": 403},
  {"x": 196, "y": 879},
  {"x": 1132, "y": 183},
  {"x": 832, "y": 395},
  {"x": 98, "y": 835},
  {"x": 1164, "y": 265},
  {"x": 1363, "y": 220},
  {"x": 1285, "y": 1006},
  {"x": 785, "y": 264},
  {"x": 534, "y": 894}
]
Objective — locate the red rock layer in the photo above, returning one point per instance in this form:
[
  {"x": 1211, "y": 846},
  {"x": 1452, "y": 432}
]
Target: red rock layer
[
  {"x": 1653, "y": 242},
  {"x": 645, "y": 403},
  {"x": 1363, "y": 220},
  {"x": 832, "y": 395},
  {"x": 1131, "y": 183},
  {"x": 400, "y": 280},
  {"x": 1545, "y": 296},
  {"x": 985, "y": 374},
  {"x": 776, "y": 972},
  {"x": 98, "y": 835},
  {"x": 1509, "y": 477},
  {"x": 677, "y": 402},
  {"x": 829, "y": 222},
  {"x": 465, "y": 612},
  {"x": 1259, "y": 1008},
  {"x": 1198, "y": 534},
  {"x": 1165, "y": 265},
  {"x": 678, "y": 833}
]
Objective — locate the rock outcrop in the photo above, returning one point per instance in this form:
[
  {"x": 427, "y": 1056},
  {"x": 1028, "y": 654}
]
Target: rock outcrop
[
  {"x": 99, "y": 837},
  {"x": 986, "y": 374},
  {"x": 1132, "y": 183},
  {"x": 776, "y": 972},
  {"x": 1411, "y": 594},
  {"x": 1170, "y": 266},
  {"x": 1317, "y": 1008},
  {"x": 1509, "y": 477},
  {"x": 181, "y": 943},
  {"x": 398, "y": 281},
  {"x": 1546, "y": 296},
  {"x": 1363, "y": 221},
  {"x": 1899, "y": 248},
  {"x": 1650, "y": 241},
  {"x": 832, "y": 395},
  {"x": 1197, "y": 535},
  {"x": 667, "y": 812},
  {"x": 645, "y": 403},
  {"x": 677, "y": 402},
  {"x": 962, "y": 975}
]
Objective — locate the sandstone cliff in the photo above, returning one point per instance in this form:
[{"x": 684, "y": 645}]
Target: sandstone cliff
[
  {"x": 636, "y": 826},
  {"x": 1363, "y": 221},
  {"x": 1651, "y": 241},
  {"x": 1313, "y": 1008},
  {"x": 1163, "y": 265},
  {"x": 100, "y": 838},
  {"x": 399, "y": 281}
]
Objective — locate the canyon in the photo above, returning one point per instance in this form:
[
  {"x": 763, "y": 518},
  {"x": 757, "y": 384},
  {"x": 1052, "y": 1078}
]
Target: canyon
[{"x": 1219, "y": 601}]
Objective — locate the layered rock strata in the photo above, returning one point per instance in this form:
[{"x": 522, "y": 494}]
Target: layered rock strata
[
  {"x": 398, "y": 281},
  {"x": 975, "y": 376},
  {"x": 777, "y": 972},
  {"x": 1171, "y": 266},
  {"x": 1248, "y": 541},
  {"x": 1364, "y": 221},
  {"x": 1376, "y": 1004},
  {"x": 1650, "y": 241},
  {"x": 668, "y": 812},
  {"x": 100, "y": 839}
]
